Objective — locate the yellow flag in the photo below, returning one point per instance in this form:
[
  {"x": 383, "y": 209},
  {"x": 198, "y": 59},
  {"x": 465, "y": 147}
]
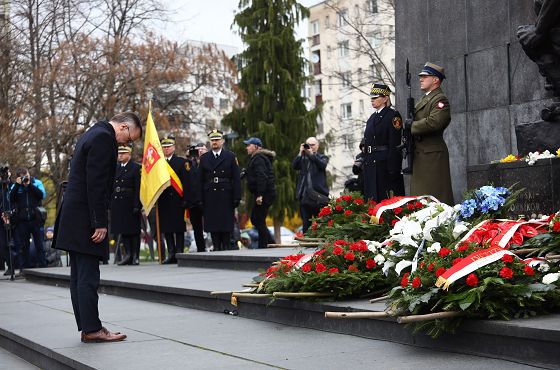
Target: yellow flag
[{"x": 155, "y": 176}]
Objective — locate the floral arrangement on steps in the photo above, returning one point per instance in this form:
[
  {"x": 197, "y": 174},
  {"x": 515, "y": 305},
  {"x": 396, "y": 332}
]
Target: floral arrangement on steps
[{"x": 548, "y": 242}]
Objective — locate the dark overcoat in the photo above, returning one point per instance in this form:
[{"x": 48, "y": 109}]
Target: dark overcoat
[
  {"x": 193, "y": 185},
  {"x": 86, "y": 200},
  {"x": 125, "y": 203},
  {"x": 260, "y": 176},
  {"x": 316, "y": 165},
  {"x": 382, "y": 160},
  {"x": 221, "y": 190},
  {"x": 430, "y": 167},
  {"x": 171, "y": 205}
]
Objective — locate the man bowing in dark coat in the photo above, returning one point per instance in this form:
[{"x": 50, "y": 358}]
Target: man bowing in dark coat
[
  {"x": 81, "y": 225},
  {"x": 221, "y": 191},
  {"x": 382, "y": 164},
  {"x": 125, "y": 206}
]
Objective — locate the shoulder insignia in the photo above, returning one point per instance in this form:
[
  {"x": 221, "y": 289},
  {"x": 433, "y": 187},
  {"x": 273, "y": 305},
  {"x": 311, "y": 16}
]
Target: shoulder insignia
[
  {"x": 187, "y": 166},
  {"x": 440, "y": 105},
  {"x": 397, "y": 123},
  {"x": 236, "y": 162}
]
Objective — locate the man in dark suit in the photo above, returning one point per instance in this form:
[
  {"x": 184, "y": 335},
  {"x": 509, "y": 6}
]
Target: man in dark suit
[
  {"x": 309, "y": 160},
  {"x": 172, "y": 205},
  {"x": 382, "y": 136},
  {"x": 193, "y": 195},
  {"x": 125, "y": 206},
  {"x": 221, "y": 191},
  {"x": 81, "y": 225}
]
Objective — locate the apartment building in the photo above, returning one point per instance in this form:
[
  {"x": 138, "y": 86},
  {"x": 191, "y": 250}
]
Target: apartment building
[{"x": 351, "y": 44}]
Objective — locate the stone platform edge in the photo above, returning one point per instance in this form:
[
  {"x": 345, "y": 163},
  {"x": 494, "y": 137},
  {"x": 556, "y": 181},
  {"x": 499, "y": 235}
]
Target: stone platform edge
[{"x": 490, "y": 338}]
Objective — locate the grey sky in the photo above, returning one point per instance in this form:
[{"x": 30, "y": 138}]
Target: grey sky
[{"x": 210, "y": 21}]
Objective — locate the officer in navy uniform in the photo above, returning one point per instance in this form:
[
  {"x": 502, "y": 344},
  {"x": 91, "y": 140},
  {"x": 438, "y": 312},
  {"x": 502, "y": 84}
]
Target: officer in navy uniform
[
  {"x": 125, "y": 206},
  {"x": 172, "y": 205},
  {"x": 221, "y": 191},
  {"x": 194, "y": 197},
  {"x": 382, "y": 165}
]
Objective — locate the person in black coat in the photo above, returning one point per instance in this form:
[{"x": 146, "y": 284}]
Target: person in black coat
[
  {"x": 172, "y": 205},
  {"x": 309, "y": 160},
  {"x": 125, "y": 206},
  {"x": 81, "y": 224},
  {"x": 260, "y": 181},
  {"x": 193, "y": 195},
  {"x": 382, "y": 136},
  {"x": 221, "y": 191}
]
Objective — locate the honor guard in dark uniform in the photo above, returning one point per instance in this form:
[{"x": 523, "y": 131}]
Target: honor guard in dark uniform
[
  {"x": 172, "y": 205},
  {"x": 125, "y": 206},
  {"x": 382, "y": 136},
  {"x": 221, "y": 191},
  {"x": 194, "y": 197},
  {"x": 430, "y": 167}
]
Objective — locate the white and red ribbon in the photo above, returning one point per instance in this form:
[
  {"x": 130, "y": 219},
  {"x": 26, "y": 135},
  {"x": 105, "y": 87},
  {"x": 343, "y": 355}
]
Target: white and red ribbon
[{"x": 396, "y": 202}]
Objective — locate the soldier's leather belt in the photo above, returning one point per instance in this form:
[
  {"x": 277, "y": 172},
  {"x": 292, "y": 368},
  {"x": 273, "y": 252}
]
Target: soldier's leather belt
[
  {"x": 380, "y": 148},
  {"x": 120, "y": 189},
  {"x": 217, "y": 180}
]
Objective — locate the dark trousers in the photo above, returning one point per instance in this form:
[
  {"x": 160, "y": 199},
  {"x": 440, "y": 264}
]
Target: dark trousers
[
  {"x": 175, "y": 242},
  {"x": 131, "y": 245},
  {"x": 221, "y": 241},
  {"x": 306, "y": 214},
  {"x": 24, "y": 229},
  {"x": 84, "y": 281},
  {"x": 258, "y": 219},
  {"x": 195, "y": 215}
]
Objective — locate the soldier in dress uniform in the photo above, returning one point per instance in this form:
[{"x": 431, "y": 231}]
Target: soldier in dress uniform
[
  {"x": 172, "y": 205},
  {"x": 221, "y": 191},
  {"x": 382, "y": 164},
  {"x": 125, "y": 206},
  {"x": 430, "y": 166}
]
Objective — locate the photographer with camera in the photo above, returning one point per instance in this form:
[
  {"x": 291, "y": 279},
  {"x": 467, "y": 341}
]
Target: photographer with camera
[
  {"x": 311, "y": 190},
  {"x": 193, "y": 196},
  {"x": 27, "y": 197}
]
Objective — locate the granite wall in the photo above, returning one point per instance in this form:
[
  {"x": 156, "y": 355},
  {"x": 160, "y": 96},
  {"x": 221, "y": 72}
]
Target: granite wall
[{"x": 491, "y": 84}]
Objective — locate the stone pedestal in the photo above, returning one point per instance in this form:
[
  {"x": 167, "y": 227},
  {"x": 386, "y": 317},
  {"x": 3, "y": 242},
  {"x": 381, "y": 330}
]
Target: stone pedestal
[
  {"x": 537, "y": 136},
  {"x": 541, "y": 182}
]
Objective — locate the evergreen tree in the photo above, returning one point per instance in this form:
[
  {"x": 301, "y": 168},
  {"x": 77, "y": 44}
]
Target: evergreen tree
[{"x": 273, "y": 80}]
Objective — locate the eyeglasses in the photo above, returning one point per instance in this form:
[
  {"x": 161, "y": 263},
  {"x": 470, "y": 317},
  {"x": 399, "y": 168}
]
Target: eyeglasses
[{"x": 130, "y": 142}]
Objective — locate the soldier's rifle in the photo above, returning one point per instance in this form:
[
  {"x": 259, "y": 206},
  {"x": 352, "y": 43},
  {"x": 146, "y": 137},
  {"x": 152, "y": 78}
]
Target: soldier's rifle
[{"x": 407, "y": 145}]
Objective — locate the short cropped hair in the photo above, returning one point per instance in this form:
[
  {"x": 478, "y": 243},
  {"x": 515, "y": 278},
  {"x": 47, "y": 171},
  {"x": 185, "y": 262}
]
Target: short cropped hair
[{"x": 129, "y": 118}]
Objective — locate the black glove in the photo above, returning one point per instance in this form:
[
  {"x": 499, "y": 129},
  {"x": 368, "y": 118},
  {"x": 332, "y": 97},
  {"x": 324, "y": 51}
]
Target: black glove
[
  {"x": 236, "y": 203},
  {"x": 408, "y": 123},
  {"x": 135, "y": 211},
  {"x": 184, "y": 204}
]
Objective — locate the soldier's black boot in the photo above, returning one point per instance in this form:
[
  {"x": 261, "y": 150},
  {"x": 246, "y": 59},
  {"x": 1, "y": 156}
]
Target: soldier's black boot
[
  {"x": 170, "y": 260},
  {"x": 127, "y": 259}
]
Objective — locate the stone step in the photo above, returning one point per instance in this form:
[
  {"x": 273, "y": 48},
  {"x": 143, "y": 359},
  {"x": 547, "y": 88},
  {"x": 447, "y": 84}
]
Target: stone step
[
  {"x": 533, "y": 341},
  {"x": 245, "y": 260}
]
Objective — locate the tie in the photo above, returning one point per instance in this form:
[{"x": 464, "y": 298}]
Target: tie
[{"x": 216, "y": 155}]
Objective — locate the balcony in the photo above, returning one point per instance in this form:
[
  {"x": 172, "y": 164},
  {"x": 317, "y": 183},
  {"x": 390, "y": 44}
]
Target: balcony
[
  {"x": 317, "y": 68},
  {"x": 315, "y": 40}
]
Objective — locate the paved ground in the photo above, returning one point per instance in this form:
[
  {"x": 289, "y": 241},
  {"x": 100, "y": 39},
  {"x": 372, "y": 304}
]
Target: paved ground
[
  {"x": 9, "y": 361},
  {"x": 169, "y": 337}
]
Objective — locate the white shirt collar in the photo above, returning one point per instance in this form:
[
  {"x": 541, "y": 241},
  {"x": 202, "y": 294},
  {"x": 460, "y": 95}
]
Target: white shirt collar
[{"x": 218, "y": 152}]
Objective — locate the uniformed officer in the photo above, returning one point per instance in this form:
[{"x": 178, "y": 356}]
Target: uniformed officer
[
  {"x": 125, "y": 206},
  {"x": 430, "y": 167},
  {"x": 382, "y": 136},
  {"x": 221, "y": 191},
  {"x": 172, "y": 204},
  {"x": 194, "y": 197}
]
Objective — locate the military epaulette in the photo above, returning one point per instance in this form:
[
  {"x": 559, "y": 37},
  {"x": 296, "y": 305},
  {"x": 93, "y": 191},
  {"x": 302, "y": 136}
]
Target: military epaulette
[{"x": 187, "y": 166}]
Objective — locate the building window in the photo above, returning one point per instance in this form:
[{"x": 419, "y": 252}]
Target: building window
[
  {"x": 328, "y": 52},
  {"x": 327, "y": 22},
  {"x": 360, "y": 76},
  {"x": 361, "y": 106},
  {"x": 330, "y": 84},
  {"x": 342, "y": 14},
  {"x": 357, "y": 11},
  {"x": 346, "y": 79},
  {"x": 374, "y": 39},
  {"x": 371, "y": 6},
  {"x": 343, "y": 49},
  {"x": 346, "y": 110},
  {"x": 209, "y": 102},
  {"x": 224, "y": 103},
  {"x": 315, "y": 27}
]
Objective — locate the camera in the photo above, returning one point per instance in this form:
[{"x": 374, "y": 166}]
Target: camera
[
  {"x": 306, "y": 146},
  {"x": 25, "y": 180},
  {"x": 193, "y": 151},
  {"x": 243, "y": 173}
]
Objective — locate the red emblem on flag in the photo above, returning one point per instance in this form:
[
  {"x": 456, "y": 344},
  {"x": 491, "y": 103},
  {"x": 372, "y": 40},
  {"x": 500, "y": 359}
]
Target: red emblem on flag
[
  {"x": 151, "y": 156},
  {"x": 440, "y": 105}
]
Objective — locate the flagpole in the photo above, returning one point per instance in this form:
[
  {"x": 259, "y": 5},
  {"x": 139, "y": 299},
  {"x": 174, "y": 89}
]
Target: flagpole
[{"x": 158, "y": 234}]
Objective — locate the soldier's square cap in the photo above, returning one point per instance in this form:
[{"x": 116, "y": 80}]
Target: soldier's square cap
[
  {"x": 215, "y": 135},
  {"x": 379, "y": 90},
  {"x": 125, "y": 149},
  {"x": 168, "y": 141},
  {"x": 431, "y": 69}
]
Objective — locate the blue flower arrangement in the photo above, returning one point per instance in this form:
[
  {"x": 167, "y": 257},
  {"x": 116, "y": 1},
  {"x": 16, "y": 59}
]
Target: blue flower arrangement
[{"x": 485, "y": 201}]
